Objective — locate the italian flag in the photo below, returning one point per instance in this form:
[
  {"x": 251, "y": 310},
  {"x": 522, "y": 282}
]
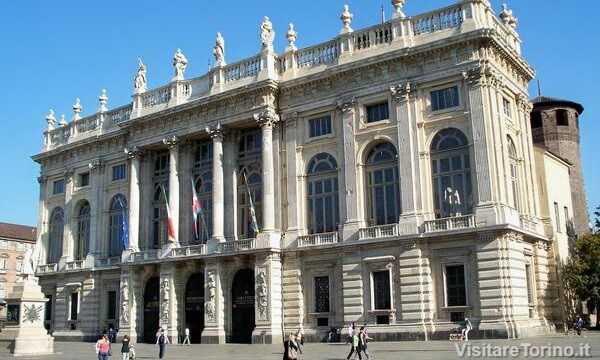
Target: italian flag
[
  {"x": 196, "y": 209},
  {"x": 170, "y": 227}
]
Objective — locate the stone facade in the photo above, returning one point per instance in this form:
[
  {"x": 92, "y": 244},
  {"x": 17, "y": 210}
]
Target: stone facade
[{"x": 351, "y": 181}]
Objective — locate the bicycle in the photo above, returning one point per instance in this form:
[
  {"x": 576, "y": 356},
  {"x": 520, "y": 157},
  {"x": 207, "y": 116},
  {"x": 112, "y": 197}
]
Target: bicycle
[
  {"x": 455, "y": 334},
  {"x": 572, "y": 333}
]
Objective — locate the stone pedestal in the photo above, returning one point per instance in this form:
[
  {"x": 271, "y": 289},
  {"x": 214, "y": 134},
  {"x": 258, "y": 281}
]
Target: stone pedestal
[{"x": 24, "y": 333}]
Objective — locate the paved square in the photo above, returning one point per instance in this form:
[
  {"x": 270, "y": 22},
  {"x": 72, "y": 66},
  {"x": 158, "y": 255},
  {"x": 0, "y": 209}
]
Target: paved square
[{"x": 379, "y": 350}]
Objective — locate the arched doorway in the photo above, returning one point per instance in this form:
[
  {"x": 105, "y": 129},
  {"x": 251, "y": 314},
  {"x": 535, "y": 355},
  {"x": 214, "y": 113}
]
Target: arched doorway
[
  {"x": 194, "y": 306},
  {"x": 242, "y": 307},
  {"x": 151, "y": 309}
]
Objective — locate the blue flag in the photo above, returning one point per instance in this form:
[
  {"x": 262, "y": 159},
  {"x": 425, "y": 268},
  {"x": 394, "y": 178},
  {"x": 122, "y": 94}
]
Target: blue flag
[{"x": 125, "y": 226}]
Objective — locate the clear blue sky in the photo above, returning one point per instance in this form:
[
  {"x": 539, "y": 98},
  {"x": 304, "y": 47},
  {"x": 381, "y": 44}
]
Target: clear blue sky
[{"x": 56, "y": 51}]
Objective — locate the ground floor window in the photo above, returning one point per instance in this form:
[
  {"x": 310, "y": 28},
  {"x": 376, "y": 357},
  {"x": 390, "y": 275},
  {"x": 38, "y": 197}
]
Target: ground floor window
[
  {"x": 112, "y": 305},
  {"x": 74, "y": 306},
  {"x": 382, "y": 297},
  {"x": 456, "y": 292},
  {"x": 322, "y": 294}
]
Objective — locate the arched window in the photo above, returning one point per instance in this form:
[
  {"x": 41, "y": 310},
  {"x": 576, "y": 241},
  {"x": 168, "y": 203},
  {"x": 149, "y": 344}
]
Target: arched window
[
  {"x": 55, "y": 240},
  {"x": 383, "y": 189},
  {"x": 451, "y": 172},
  {"x": 514, "y": 174},
  {"x": 204, "y": 227},
  {"x": 83, "y": 232},
  {"x": 117, "y": 212},
  {"x": 323, "y": 199},
  {"x": 250, "y": 196},
  {"x": 160, "y": 230}
]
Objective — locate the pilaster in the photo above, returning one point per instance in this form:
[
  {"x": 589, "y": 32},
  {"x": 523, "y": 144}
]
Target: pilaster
[
  {"x": 97, "y": 184},
  {"x": 67, "y": 243},
  {"x": 214, "y": 309},
  {"x": 269, "y": 301}
]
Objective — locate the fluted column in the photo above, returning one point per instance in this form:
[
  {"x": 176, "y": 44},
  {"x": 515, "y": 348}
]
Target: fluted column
[
  {"x": 216, "y": 132},
  {"x": 134, "y": 154},
  {"x": 97, "y": 170},
  {"x": 173, "y": 144},
  {"x": 267, "y": 120}
]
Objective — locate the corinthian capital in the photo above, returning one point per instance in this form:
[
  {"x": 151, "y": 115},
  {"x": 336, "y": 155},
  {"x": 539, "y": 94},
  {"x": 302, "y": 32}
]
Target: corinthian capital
[
  {"x": 266, "y": 118},
  {"x": 133, "y": 152},
  {"x": 96, "y": 165},
  {"x": 401, "y": 92},
  {"x": 216, "y": 131},
  {"x": 346, "y": 105},
  {"x": 172, "y": 142},
  {"x": 483, "y": 74}
]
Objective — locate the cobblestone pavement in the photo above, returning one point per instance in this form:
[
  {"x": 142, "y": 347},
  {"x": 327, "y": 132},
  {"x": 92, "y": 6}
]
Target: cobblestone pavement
[{"x": 379, "y": 350}]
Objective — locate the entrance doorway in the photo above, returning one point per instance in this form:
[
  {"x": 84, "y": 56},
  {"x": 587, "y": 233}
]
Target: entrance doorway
[
  {"x": 151, "y": 310},
  {"x": 242, "y": 307},
  {"x": 194, "y": 306}
]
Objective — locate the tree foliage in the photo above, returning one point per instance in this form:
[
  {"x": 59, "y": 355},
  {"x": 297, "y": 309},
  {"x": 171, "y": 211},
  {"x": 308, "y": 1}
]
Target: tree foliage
[{"x": 582, "y": 273}]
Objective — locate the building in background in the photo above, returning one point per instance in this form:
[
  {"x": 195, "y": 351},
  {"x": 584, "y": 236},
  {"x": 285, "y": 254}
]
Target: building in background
[
  {"x": 387, "y": 176},
  {"x": 14, "y": 241}
]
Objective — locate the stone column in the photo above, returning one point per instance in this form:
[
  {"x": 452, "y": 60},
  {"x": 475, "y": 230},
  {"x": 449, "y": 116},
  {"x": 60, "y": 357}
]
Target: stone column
[
  {"x": 216, "y": 132},
  {"x": 350, "y": 224},
  {"x": 267, "y": 120},
  {"x": 173, "y": 144},
  {"x": 477, "y": 80},
  {"x": 134, "y": 154},
  {"x": 67, "y": 243},
  {"x": 293, "y": 182},
  {"x": 230, "y": 187},
  {"x": 269, "y": 301},
  {"x": 408, "y": 164},
  {"x": 97, "y": 183},
  {"x": 214, "y": 309}
]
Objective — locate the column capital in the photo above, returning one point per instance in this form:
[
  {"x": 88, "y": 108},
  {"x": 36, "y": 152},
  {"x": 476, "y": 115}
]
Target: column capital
[
  {"x": 96, "y": 165},
  {"x": 69, "y": 175},
  {"x": 216, "y": 131},
  {"x": 346, "y": 105},
  {"x": 524, "y": 104},
  {"x": 266, "y": 118},
  {"x": 133, "y": 152},
  {"x": 483, "y": 74},
  {"x": 401, "y": 92},
  {"x": 172, "y": 142}
]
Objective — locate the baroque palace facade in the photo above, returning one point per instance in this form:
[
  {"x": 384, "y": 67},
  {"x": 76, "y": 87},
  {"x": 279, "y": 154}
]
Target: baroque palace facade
[{"x": 391, "y": 172}]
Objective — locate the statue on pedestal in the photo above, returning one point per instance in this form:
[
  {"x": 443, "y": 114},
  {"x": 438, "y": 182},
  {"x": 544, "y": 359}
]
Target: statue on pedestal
[
  {"x": 180, "y": 63},
  {"x": 267, "y": 34}
]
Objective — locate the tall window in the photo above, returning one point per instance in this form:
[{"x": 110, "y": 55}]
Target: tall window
[
  {"x": 3, "y": 262},
  {"x": 322, "y": 294},
  {"x": 323, "y": 199},
  {"x": 118, "y": 209},
  {"x": 377, "y": 112},
  {"x": 74, "y": 308},
  {"x": 514, "y": 174},
  {"x": 83, "y": 232},
  {"x": 456, "y": 291},
  {"x": 319, "y": 126},
  {"x": 250, "y": 144},
  {"x": 506, "y": 107},
  {"x": 557, "y": 217},
  {"x": 529, "y": 281},
  {"x": 444, "y": 98},
  {"x": 2, "y": 290},
  {"x": 566, "y": 215},
  {"x": 383, "y": 188},
  {"x": 451, "y": 173},
  {"x": 111, "y": 308},
  {"x": 247, "y": 192},
  {"x": 204, "y": 224},
  {"x": 55, "y": 231},
  {"x": 382, "y": 299},
  {"x": 160, "y": 230}
]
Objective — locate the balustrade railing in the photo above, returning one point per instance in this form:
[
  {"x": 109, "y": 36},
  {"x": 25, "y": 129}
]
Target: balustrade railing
[
  {"x": 119, "y": 114},
  {"x": 450, "y": 223},
  {"x": 47, "y": 268},
  {"x": 146, "y": 255},
  {"x": 378, "y": 231},
  {"x": 242, "y": 69},
  {"x": 74, "y": 265},
  {"x": 436, "y": 21},
  {"x": 107, "y": 261},
  {"x": 158, "y": 96},
  {"x": 319, "y": 54},
  {"x": 188, "y": 251},
  {"x": 318, "y": 239}
]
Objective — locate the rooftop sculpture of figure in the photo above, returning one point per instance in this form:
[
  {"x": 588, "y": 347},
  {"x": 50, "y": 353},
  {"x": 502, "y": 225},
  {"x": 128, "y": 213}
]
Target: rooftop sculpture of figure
[
  {"x": 267, "y": 34},
  {"x": 180, "y": 63},
  {"x": 140, "y": 83},
  {"x": 219, "y": 50}
]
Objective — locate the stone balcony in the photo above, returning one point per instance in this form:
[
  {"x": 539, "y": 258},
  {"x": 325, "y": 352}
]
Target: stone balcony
[{"x": 450, "y": 223}]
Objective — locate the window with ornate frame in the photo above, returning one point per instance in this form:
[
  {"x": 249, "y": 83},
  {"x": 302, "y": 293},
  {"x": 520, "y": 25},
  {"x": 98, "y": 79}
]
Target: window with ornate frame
[
  {"x": 322, "y": 192},
  {"x": 58, "y": 187},
  {"x": 319, "y": 126},
  {"x": 530, "y": 284},
  {"x": 249, "y": 200},
  {"x": 322, "y": 293},
  {"x": 117, "y": 210},
  {"x": 444, "y": 98},
  {"x": 377, "y": 112},
  {"x": 55, "y": 237},
  {"x": 383, "y": 185},
  {"x": 119, "y": 172},
  {"x": 451, "y": 174},
  {"x": 513, "y": 161},
  {"x": 83, "y": 232},
  {"x": 455, "y": 285}
]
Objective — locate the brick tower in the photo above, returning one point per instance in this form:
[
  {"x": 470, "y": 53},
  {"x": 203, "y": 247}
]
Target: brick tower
[{"x": 555, "y": 127}]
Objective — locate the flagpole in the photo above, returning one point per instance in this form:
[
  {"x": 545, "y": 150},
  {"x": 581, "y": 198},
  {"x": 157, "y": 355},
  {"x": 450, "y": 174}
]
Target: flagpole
[{"x": 255, "y": 228}]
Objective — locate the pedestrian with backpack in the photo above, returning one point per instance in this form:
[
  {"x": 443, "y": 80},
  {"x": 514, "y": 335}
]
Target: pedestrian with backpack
[{"x": 162, "y": 340}]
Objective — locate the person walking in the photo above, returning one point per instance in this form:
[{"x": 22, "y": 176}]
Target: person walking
[
  {"x": 350, "y": 333},
  {"x": 162, "y": 341},
  {"x": 186, "y": 336},
  {"x": 290, "y": 348},
  {"x": 363, "y": 341},
  {"x": 355, "y": 347},
  {"x": 103, "y": 348},
  {"x": 467, "y": 326},
  {"x": 125, "y": 347}
]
